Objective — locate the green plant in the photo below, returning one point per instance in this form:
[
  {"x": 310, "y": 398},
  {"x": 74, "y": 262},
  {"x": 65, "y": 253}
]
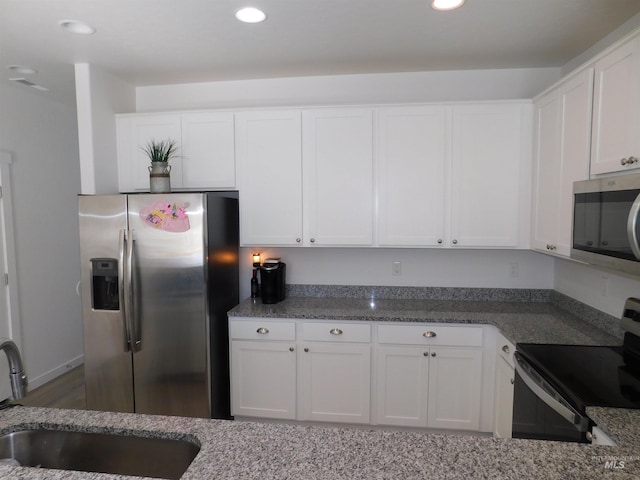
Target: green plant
[{"x": 161, "y": 151}]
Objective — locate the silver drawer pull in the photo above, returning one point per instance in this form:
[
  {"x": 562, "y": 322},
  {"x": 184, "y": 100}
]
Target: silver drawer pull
[
  {"x": 429, "y": 334},
  {"x": 262, "y": 330},
  {"x": 505, "y": 348},
  {"x": 336, "y": 331}
]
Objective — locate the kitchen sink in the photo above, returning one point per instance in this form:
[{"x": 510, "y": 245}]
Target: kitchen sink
[{"x": 99, "y": 452}]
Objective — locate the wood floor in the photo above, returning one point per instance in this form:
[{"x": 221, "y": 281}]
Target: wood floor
[{"x": 66, "y": 391}]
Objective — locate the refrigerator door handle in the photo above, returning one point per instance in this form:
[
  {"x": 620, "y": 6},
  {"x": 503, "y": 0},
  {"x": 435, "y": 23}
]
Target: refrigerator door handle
[
  {"x": 122, "y": 294},
  {"x": 133, "y": 319}
]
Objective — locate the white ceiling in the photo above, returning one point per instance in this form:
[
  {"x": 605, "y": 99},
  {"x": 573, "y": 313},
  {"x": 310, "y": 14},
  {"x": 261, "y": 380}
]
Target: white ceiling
[{"x": 151, "y": 42}]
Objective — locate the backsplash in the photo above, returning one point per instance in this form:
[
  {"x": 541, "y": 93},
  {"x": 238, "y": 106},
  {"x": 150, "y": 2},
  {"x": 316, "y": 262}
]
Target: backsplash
[{"x": 594, "y": 317}]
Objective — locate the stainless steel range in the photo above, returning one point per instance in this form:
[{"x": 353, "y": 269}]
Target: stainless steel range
[{"x": 554, "y": 384}]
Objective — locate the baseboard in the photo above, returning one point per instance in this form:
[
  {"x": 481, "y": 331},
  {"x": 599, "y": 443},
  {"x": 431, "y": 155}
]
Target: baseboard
[{"x": 55, "y": 372}]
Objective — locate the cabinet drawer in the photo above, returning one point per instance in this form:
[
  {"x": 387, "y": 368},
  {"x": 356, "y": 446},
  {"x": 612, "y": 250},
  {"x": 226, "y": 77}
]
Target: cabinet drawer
[
  {"x": 336, "y": 332},
  {"x": 262, "y": 330},
  {"x": 430, "y": 334}
]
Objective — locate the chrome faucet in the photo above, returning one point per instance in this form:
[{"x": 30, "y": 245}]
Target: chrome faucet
[{"x": 16, "y": 375}]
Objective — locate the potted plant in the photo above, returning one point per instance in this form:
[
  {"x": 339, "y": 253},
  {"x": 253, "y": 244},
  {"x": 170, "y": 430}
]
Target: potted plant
[{"x": 160, "y": 152}]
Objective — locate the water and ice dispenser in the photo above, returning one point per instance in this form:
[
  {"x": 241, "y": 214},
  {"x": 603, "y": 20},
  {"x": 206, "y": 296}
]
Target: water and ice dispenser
[{"x": 104, "y": 283}]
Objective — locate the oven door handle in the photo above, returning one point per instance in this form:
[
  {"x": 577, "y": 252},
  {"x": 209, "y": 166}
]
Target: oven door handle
[
  {"x": 632, "y": 224},
  {"x": 549, "y": 395}
]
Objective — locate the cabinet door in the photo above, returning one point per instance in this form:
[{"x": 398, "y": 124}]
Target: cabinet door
[
  {"x": 561, "y": 158},
  {"x": 455, "y": 385},
  {"x": 134, "y": 132},
  {"x": 263, "y": 379},
  {"x": 615, "y": 110},
  {"x": 402, "y": 386},
  {"x": 268, "y": 147},
  {"x": 546, "y": 175},
  {"x": 208, "y": 151},
  {"x": 487, "y": 143},
  {"x": 335, "y": 382},
  {"x": 412, "y": 153},
  {"x": 503, "y": 403},
  {"x": 577, "y": 99},
  {"x": 338, "y": 176}
]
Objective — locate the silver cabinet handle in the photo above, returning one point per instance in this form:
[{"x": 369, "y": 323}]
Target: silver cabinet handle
[
  {"x": 262, "y": 330},
  {"x": 306, "y": 349},
  {"x": 313, "y": 240},
  {"x": 291, "y": 349},
  {"x": 433, "y": 354},
  {"x": 426, "y": 354},
  {"x": 439, "y": 241},
  {"x": 336, "y": 331},
  {"x": 429, "y": 334},
  {"x": 298, "y": 240},
  {"x": 454, "y": 241},
  {"x": 505, "y": 348},
  {"x": 512, "y": 381}
]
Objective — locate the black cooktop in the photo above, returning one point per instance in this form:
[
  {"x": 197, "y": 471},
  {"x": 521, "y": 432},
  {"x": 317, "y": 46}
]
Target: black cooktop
[{"x": 587, "y": 375}]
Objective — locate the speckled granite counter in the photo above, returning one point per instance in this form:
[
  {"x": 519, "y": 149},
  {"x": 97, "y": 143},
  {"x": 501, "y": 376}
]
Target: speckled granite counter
[
  {"x": 520, "y": 322},
  {"x": 270, "y": 451}
]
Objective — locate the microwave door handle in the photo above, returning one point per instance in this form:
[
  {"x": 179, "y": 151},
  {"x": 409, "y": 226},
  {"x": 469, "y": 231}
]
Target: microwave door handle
[
  {"x": 632, "y": 224},
  {"x": 579, "y": 421}
]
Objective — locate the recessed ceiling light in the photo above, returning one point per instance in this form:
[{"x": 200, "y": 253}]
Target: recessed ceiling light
[
  {"x": 75, "y": 26},
  {"x": 250, "y": 15},
  {"x": 22, "y": 69},
  {"x": 446, "y": 4}
]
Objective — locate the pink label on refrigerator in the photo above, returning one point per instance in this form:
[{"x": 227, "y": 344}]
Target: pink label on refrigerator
[{"x": 167, "y": 216}]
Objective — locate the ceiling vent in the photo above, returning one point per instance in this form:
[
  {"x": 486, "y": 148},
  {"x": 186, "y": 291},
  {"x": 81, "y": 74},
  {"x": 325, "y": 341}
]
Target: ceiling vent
[{"x": 29, "y": 83}]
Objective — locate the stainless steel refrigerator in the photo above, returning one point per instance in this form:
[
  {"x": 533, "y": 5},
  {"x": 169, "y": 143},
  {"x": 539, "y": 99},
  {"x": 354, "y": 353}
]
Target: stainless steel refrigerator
[{"x": 159, "y": 273}]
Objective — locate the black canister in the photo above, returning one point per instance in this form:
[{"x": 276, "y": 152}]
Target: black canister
[{"x": 272, "y": 280}]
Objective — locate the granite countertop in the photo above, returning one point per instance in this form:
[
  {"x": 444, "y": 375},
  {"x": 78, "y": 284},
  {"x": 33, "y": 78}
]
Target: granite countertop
[
  {"x": 242, "y": 450},
  {"x": 519, "y": 322},
  {"x": 275, "y": 451}
]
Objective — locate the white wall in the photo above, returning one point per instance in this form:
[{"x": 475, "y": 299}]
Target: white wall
[
  {"x": 41, "y": 136},
  {"x": 599, "y": 288},
  {"x": 507, "y": 84},
  {"x": 420, "y": 267},
  {"x": 99, "y": 95}
]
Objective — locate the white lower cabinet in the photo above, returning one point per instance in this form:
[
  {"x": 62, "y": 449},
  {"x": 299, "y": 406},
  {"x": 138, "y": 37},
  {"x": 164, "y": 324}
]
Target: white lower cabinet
[
  {"x": 455, "y": 382},
  {"x": 402, "y": 386},
  {"x": 263, "y": 369},
  {"x": 335, "y": 372},
  {"x": 425, "y": 375},
  {"x": 335, "y": 382},
  {"x": 503, "y": 400},
  {"x": 429, "y": 386}
]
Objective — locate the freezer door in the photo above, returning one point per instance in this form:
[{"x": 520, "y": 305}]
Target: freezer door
[
  {"x": 107, "y": 361},
  {"x": 169, "y": 295}
]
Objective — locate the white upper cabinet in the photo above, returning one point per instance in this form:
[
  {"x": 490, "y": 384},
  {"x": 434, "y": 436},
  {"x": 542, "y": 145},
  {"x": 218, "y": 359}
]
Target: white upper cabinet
[
  {"x": 269, "y": 154},
  {"x": 134, "y": 133},
  {"x": 206, "y": 157},
  {"x": 208, "y": 150},
  {"x": 616, "y": 117},
  {"x": 338, "y": 176},
  {"x": 412, "y": 155},
  {"x": 561, "y": 157},
  {"x": 490, "y": 174}
]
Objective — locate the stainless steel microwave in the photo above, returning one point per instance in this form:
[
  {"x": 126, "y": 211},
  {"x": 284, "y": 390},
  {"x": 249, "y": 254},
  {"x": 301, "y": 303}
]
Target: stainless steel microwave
[{"x": 606, "y": 229}]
